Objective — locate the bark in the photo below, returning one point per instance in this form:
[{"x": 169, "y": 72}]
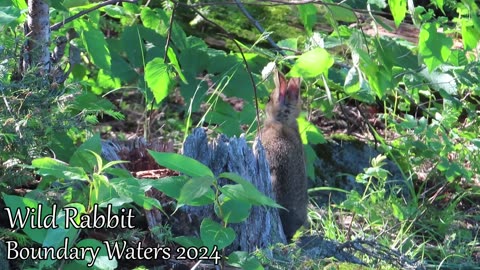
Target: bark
[
  {"x": 263, "y": 227},
  {"x": 38, "y": 33}
]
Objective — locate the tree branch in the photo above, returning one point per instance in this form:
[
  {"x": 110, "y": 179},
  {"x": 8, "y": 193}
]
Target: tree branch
[{"x": 58, "y": 25}]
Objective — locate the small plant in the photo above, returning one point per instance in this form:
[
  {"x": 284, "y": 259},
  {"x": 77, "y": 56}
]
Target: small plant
[{"x": 232, "y": 203}]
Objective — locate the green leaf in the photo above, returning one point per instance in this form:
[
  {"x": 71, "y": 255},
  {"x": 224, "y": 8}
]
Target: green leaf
[
  {"x": 245, "y": 191},
  {"x": 133, "y": 46},
  {"x": 96, "y": 46},
  {"x": 8, "y": 15},
  {"x": 398, "y": 9},
  {"x": 310, "y": 158},
  {"x": 189, "y": 241},
  {"x": 308, "y": 16},
  {"x": 62, "y": 145},
  {"x": 434, "y": 47},
  {"x": 342, "y": 13},
  {"x": 225, "y": 116},
  {"x": 213, "y": 233},
  {"x": 397, "y": 211},
  {"x": 171, "y": 186},
  {"x": 158, "y": 79},
  {"x": 49, "y": 166},
  {"x": 172, "y": 57},
  {"x": 232, "y": 211},
  {"x": 73, "y": 3},
  {"x": 289, "y": 43},
  {"x": 244, "y": 260},
  {"x": 470, "y": 32},
  {"x": 92, "y": 103},
  {"x": 102, "y": 260},
  {"x": 182, "y": 164},
  {"x": 83, "y": 158},
  {"x": 56, "y": 237},
  {"x": 130, "y": 189},
  {"x": 312, "y": 63},
  {"x": 309, "y": 133},
  {"x": 17, "y": 203},
  {"x": 195, "y": 188}
]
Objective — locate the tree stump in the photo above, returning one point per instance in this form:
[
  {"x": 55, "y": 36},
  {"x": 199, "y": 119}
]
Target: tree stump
[{"x": 263, "y": 227}]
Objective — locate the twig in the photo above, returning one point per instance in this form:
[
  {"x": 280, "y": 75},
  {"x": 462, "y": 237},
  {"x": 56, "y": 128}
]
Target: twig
[
  {"x": 86, "y": 11},
  {"x": 381, "y": 252},
  {"x": 258, "y": 26},
  {"x": 229, "y": 36},
  {"x": 169, "y": 33}
]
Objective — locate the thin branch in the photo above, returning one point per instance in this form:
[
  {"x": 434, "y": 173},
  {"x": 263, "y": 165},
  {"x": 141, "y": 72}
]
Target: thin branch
[
  {"x": 258, "y": 26},
  {"x": 169, "y": 33},
  {"x": 58, "y": 25},
  {"x": 230, "y": 36}
]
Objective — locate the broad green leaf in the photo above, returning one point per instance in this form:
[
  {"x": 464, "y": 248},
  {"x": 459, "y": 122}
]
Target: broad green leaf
[
  {"x": 20, "y": 4},
  {"x": 470, "y": 32},
  {"x": 342, "y": 13},
  {"x": 213, "y": 233},
  {"x": 309, "y": 133},
  {"x": 62, "y": 236},
  {"x": 232, "y": 211},
  {"x": 62, "y": 145},
  {"x": 74, "y": 3},
  {"x": 352, "y": 82},
  {"x": 225, "y": 116},
  {"x": 84, "y": 159},
  {"x": 398, "y": 9},
  {"x": 434, "y": 47},
  {"x": 312, "y": 63},
  {"x": 290, "y": 43},
  {"x": 380, "y": 81},
  {"x": 441, "y": 81},
  {"x": 97, "y": 48},
  {"x": 114, "y": 11},
  {"x": 189, "y": 241},
  {"x": 106, "y": 81},
  {"x": 102, "y": 191},
  {"x": 195, "y": 188},
  {"x": 59, "y": 169},
  {"x": 20, "y": 204},
  {"x": 245, "y": 191},
  {"x": 88, "y": 101},
  {"x": 151, "y": 19},
  {"x": 158, "y": 79},
  {"x": 244, "y": 260},
  {"x": 133, "y": 46},
  {"x": 310, "y": 158},
  {"x": 172, "y": 57},
  {"x": 8, "y": 15},
  {"x": 182, "y": 164},
  {"x": 102, "y": 260},
  {"x": 439, "y": 4},
  {"x": 130, "y": 189},
  {"x": 171, "y": 186},
  {"x": 308, "y": 16}
]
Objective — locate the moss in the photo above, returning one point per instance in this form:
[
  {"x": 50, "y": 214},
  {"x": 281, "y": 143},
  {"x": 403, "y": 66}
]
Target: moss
[{"x": 281, "y": 21}]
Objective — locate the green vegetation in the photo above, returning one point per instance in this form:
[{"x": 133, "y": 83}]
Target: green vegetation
[{"x": 161, "y": 69}]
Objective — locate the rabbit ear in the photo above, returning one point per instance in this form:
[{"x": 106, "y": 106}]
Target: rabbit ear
[
  {"x": 293, "y": 87},
  {"x": 280, "y": 81}
]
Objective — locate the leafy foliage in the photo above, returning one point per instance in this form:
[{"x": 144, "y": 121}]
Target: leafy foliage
[{"x": 425, "y": 92}]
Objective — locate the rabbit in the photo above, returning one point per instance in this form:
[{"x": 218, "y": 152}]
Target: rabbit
[{"x": 284, "y": 151}]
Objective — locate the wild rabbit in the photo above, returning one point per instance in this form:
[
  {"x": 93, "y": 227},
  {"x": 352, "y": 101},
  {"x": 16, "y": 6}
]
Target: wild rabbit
[{"x": 284, "y": 150}]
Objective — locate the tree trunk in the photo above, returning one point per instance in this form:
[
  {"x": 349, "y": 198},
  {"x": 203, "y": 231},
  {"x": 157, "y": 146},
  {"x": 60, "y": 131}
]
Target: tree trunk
[
  {"x": 38, "y": 33},
  {"x": 263, "y": 226}
]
